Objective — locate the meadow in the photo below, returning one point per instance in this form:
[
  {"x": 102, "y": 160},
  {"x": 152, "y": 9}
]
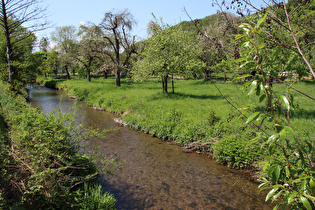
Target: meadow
[{"x": 202, "y": 116}]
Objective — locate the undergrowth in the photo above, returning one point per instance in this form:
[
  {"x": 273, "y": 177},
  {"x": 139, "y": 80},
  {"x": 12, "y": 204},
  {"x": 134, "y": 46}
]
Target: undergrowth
[{"x": 40, "y": 165}]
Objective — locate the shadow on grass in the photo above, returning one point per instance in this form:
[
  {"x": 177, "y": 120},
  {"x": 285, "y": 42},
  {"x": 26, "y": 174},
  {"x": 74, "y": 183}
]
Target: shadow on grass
[
  {"x": 299, "y": 113},
  {"x": 179, "y": 96},
  {"x": 302, "y": 114}
]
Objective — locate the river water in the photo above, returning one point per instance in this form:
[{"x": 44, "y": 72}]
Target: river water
[{"x": 157, "y": 174}]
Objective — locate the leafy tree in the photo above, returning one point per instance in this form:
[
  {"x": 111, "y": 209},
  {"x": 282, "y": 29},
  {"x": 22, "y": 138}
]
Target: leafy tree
[
  {"x": 288, "y": 25},
  {"x": 169, "y": 52},
  {"x": 87, "y": 49},
  {"x": 116, "y": 28},
  {"x": 44, "y": 44},
  {"x": 14, "y": 14},
  {"x": 217, "y": 43},
  {"x": 52, "y": 63},
  {"x": 66, "y": 40},
  {"x": 22, "y": 58},
  {"x": 290, "y": 164}
]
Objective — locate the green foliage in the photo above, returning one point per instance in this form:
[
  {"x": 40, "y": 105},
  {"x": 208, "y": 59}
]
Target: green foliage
[
  {"x": 289, "y": 166},
  {"x": 237, "y": 151},
  {"x": 92, "y": 197},
  {"x": 170, "y": 51},
  {"x": 41, "y": 160}
]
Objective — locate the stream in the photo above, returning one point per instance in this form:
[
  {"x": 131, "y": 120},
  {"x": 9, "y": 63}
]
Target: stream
[{"x": 157, "y": 174}]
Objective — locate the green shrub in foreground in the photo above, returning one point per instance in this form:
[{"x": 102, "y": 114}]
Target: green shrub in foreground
[
  {"x": 236, "y": 151},
  {"x": 40, "y": 159}
]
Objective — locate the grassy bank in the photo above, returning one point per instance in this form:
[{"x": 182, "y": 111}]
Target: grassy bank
[
  {"x": 197, "y": 116},
  {"x": 40, "y": 166}
]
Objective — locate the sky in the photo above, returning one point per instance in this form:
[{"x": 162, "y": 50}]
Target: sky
[{"x": 74, "y": 12}]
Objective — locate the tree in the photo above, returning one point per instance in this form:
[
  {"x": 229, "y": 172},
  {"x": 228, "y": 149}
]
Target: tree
[
  {"x": 288, "y": 25},
  {"x": 14, "y": 14},
  {"x": 87, "y": 49},
  {"x": 116, "y": 27},
  {"x": 217, "y": 44},
  {"x": 66, "y": 40},
  {"x": 169, "y": 52},
  {"x": 44, "y": 44},
  {"x": 52, "y": 63}
]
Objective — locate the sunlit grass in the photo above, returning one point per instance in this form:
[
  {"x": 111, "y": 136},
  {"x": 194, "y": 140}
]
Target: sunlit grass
[{"x": 198, "y": 111}]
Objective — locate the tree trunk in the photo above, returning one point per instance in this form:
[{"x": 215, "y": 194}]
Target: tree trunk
[
  {"x": 206, "y": 75},
  {"x": 8, "y": 43},
  {"x": 67, "y": 72},
  {"x": 88, "y": 74},
  {"x": 117, "y": 77},
  {"x": 164, "y": 83},
  {"x": 173, "y": 88},
  {"x": 224, "y": 77},
  {"x": 105, "y": 74}
]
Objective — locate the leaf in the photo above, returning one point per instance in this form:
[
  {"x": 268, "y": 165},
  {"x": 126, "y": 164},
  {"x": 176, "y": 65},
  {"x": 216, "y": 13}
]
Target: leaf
[
  {"x": 271, "y": 193},
  {"x": 262, "y": 97},
  {"x": 289, "y": 129},
  {"x": 287, "y": 172},
  {"x": 285, "y": 102},
  {"x": 312, "y": 186},
  {"x": 276, "y": 174},
  {"x": 252, "y": 88},
  {"x": 282, "y": 136},
  {"x": 243, "y": 76},
  {"x": 303, "y": 186},
  {"x": 291, "y": 197},
  {"x": 275, "y": 197},
  {"x": 260, "y": 88},
  {"x": 273, "y": 138},
  {"x": 252, "y": 117},
  {"x": 261, "y": 20},
  {"x": 305, "y": 203},
  {"x": 301, "y": 157},
  {"x": 239, "y": 60}
]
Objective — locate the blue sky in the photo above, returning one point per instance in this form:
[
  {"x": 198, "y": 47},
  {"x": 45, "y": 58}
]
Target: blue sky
[{"x": 72, "y": 12}]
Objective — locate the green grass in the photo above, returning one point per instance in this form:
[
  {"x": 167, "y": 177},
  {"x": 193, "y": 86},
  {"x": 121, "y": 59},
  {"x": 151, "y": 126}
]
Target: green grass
[{"x": 188, "y": 115}]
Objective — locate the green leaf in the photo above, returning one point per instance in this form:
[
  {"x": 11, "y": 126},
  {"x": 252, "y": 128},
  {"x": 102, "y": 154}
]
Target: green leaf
[
  {"x": 239, "y": 60},
  {"x": 243, "y": 76},
  {"x": 273, "y": 138},
  {"x": 287, "y": 172},
  {"x": 312, "y": 186},
  {"x": 271, "y": 193},
  {"x": 275, "y": 197},
  {"x": 252, "y": 117},
  {"x": 301, "y": 157},
  {"x": 261, "y": 20},
  {"x": 252, "y": 88},
  {"x": 291, "y": 197},
  {"x": 303, "y": 186},
  {"x": 282, "y": 136},
  {"x": 276, "y": 174},
  {"x": 305, "y": 203},
  {"x": 285, "y": 102},
  {"x": 262, "y": 98}
]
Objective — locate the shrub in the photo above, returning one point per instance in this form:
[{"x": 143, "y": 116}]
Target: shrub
[{"x": 236, "y": 151}]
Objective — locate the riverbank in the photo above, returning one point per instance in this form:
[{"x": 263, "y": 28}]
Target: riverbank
[
  {"x": 40, "y": 165},
  {"x": 197, "y": 116}
]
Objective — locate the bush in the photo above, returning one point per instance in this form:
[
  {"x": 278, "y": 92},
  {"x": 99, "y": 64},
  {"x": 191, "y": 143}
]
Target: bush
[
  {"x": 236, "y": 151},
  {"x": 40, "y": 164}
]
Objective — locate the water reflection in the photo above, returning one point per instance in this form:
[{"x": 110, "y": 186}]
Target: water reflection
[{"x": 157, "y": 174}]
